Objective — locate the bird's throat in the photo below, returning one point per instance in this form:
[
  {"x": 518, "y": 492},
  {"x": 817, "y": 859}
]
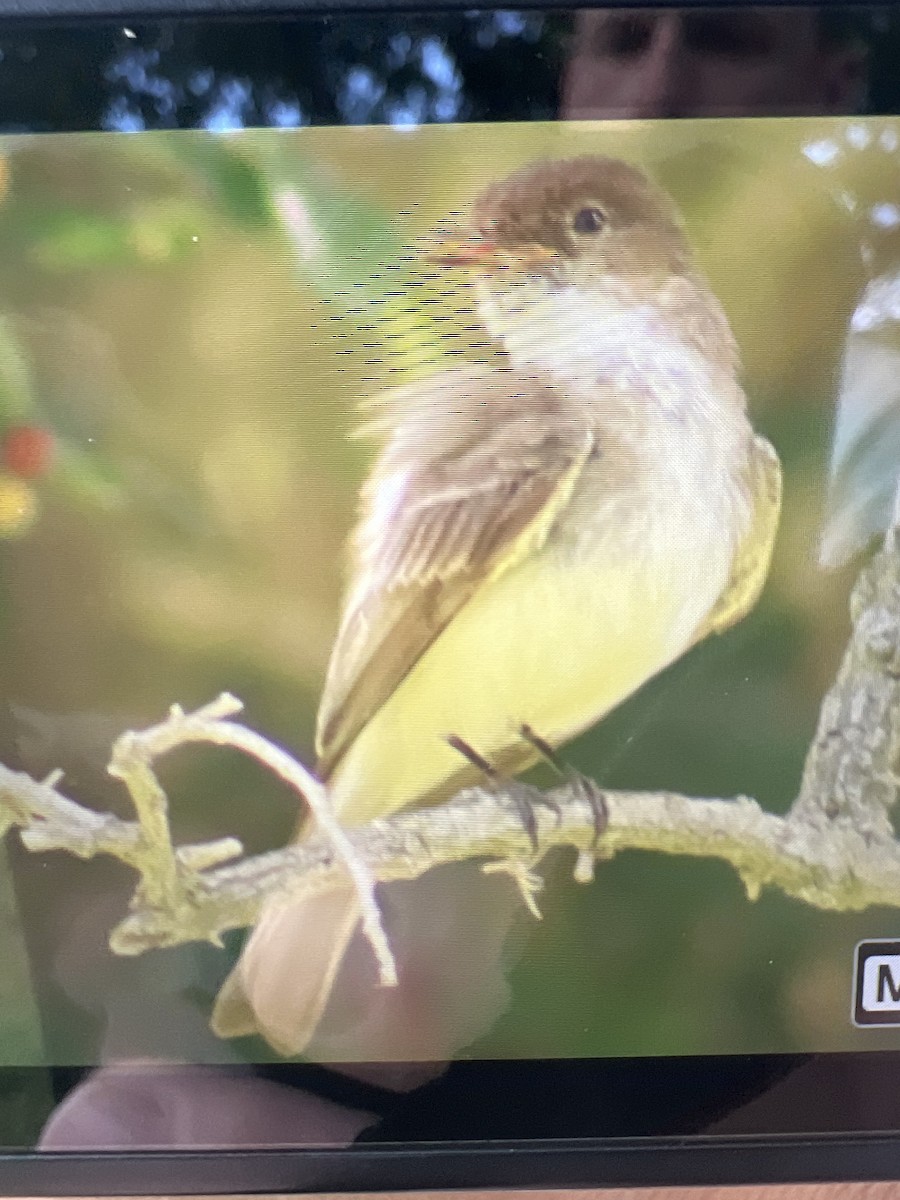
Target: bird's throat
[{"x": 579, "y": 334}]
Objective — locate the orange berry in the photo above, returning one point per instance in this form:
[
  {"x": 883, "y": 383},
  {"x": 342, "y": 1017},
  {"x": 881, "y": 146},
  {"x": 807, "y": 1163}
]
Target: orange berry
[{"x": 27, "y": 450}]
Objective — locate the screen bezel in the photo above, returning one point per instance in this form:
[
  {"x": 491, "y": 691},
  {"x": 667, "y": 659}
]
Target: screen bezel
[
  {"x": 95, "y": 10},
  {"x": 643, "y": 1162}
]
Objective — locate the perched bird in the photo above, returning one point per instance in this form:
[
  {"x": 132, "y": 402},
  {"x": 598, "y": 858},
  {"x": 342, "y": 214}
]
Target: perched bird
[{"x": 540, "y": 533}]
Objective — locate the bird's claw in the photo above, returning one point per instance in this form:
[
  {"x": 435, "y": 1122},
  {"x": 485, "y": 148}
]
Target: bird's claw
[
  {"x": 592, "y": 794},
  {"x": 526, "y": 799},
  {"x": 579, "y": 783},
  {"x": 522, "y": 796}
]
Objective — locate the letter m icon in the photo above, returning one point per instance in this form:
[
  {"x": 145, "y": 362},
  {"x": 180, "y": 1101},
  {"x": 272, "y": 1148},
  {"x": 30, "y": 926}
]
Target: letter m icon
[
  {"x": 877, "y": 990},
  {"x": 887, "y": 986}
]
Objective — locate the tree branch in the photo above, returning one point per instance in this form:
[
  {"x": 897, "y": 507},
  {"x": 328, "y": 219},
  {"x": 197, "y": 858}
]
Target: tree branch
[
  {"x": 852, "y": 771},
  {"x": 835, "y": 848}
]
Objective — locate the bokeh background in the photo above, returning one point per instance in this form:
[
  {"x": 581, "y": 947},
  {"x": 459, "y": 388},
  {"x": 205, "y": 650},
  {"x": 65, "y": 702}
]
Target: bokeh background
[{"x": 187, "y": 323}]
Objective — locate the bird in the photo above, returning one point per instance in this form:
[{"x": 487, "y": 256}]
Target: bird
[{"x": 541, "y": 531}]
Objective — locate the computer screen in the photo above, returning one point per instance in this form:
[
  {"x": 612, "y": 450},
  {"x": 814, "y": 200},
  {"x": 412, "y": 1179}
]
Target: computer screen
[{"x": 447, "y": 471}]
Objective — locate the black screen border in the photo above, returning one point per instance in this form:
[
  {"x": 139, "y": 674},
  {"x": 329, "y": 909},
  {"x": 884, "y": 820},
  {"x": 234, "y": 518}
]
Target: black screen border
[
  {"x": 405, "y": 1160},
  {"x": 650, "y": 1162},
  {"x": 88, "y": 10}
]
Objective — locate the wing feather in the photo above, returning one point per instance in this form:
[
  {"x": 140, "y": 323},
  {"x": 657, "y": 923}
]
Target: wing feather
[
  {"x": 453, "y": 500},
  {"x": 754, "y": 555}
]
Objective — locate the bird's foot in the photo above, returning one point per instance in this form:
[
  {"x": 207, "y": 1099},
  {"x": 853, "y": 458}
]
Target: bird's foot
[
  {"x": 592, "y": 794},
  {"x": 523, "y": 797},
  {"x": 581, "y": 784},
  {"x": 544, "y": 749},
  {"x": 470, "y": 754},
  {"x": 526, "y": 799}
]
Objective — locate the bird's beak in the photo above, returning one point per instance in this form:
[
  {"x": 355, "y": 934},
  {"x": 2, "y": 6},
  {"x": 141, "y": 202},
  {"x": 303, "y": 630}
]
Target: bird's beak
[{"x": 484, "y": 255}]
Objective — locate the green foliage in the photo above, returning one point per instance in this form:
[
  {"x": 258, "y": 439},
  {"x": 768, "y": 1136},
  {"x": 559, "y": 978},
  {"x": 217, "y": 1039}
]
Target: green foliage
[
  {"x": 234, "y": 185},
  {"x": 16, "y": 383}
]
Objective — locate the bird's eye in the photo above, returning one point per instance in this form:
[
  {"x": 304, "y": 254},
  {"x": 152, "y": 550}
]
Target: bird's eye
[{"x": 588, "y": 220}]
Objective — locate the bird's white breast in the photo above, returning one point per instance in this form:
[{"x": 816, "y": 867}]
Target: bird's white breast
[{"x": 657, "y": 404}]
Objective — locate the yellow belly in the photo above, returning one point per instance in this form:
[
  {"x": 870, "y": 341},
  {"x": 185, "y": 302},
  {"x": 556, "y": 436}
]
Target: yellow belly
[{"x": 553, "y": 643}]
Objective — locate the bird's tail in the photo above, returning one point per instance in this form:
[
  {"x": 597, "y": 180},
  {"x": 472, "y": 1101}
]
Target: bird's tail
[{"x": 284, "y": 977}]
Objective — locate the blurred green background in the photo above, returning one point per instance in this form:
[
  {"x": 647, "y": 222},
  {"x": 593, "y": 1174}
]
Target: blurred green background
[{"x": 188, "y": 321}]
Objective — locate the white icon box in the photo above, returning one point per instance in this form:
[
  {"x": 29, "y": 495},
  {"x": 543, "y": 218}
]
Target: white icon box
[{"x": 876, "y": 998}]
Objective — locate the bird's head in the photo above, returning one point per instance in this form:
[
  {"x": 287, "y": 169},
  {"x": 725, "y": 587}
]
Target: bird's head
[{"x": 577, "y": 222}]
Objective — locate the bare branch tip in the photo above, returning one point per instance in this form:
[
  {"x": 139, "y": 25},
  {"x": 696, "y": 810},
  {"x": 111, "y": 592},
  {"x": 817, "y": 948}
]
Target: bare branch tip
[
  {"x": 225, "y": 705},
  {"x": 209, "y": 854},
  {"x": 753, "y": 886},
  {"x": 529, "y": 883},
  {"x": 584, "y": 867},
  {"x": 387, "y": 975}
]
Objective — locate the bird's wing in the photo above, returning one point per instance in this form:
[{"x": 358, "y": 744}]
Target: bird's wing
[
  {"x": 470, "y": 481},
  {"x": 754, "y": 554}
]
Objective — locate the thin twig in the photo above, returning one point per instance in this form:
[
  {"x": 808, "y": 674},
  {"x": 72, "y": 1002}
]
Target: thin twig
[{"x": 134, "y": 753}]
